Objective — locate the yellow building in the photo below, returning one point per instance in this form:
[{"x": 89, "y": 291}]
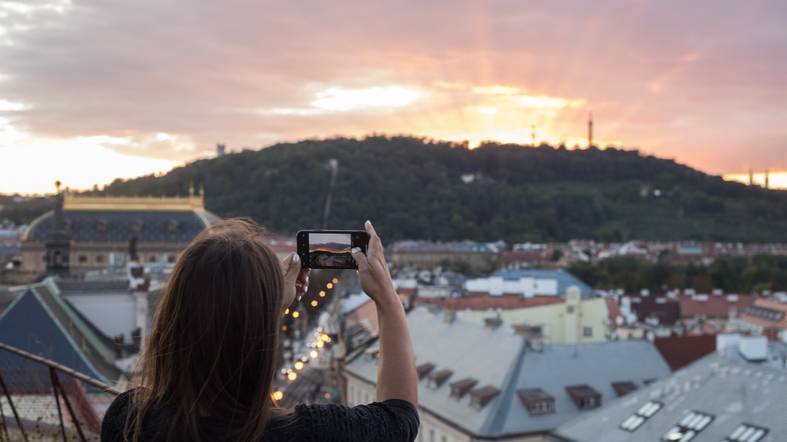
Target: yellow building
[
  {"x": 92, "y": 232},
  {"x": 573, "y": 321}
]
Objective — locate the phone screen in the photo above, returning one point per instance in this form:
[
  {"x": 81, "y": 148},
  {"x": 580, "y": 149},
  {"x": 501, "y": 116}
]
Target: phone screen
[{"x": 330, "y": 250}]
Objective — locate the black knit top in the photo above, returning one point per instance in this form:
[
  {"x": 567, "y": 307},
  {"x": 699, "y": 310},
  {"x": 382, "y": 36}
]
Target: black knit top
[{"x": 391, "y": 420}]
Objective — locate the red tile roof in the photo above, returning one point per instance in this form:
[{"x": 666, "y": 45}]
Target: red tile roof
[
  {"x": 769, "y": 304},
  {"x": 715, "y": 306},
  {"x": 485, "y": 302},
  {"x": 680, "y": 351}
]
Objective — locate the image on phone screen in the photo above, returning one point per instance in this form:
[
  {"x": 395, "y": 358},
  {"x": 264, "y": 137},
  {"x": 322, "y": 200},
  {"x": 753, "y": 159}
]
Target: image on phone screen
[{"x": 330, "y": 250}]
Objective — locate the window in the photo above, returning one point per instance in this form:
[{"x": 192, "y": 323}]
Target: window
[
  {"x": 99, "y": 259},
  {"x": 171, "y": 258},
  {"x": 482, "y": 396},
  {"x": 424, "y": 369},
  {"x": 587, "y": 332},
  {"x": 101, "y": 226},
  {"x": 639, "y": 417},
  {"x": 152, "y": 258},
  {"x": 172, "y": 226},
  {"x": 82, "y": 258},
  {"x": 624, "y": 388},
  {"x": 688, "y": 427},
  {"x": 136, "y": 226},
  {"x": 584, "y": 396},
  {"x": 747, "y": 433},
  {"x": 459, "y": 388},
  {"x": 537, "y": 401}
]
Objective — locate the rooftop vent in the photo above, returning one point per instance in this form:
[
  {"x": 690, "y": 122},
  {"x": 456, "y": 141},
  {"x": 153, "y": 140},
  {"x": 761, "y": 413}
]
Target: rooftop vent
[
  {"x": 438, "y": 378},
  {"x": 482, "y": 396},
  {"x": 584, "y": 396},
  {"x": 461, "y": 387},
  {"x": 537, "y": 401},
  {"x": 624, "y": 388},
  {"x": 747, "y": 433},
  {"x": 691, "y": 425},
  {"x": 424, "y": 369}
]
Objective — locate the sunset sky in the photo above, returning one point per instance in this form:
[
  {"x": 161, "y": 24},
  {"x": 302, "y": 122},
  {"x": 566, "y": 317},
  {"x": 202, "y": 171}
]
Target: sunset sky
[{"x": 95, "y": 89}]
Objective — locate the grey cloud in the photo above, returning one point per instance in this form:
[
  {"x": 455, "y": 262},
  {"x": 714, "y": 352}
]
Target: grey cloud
[{"x": 198, "y": 70}]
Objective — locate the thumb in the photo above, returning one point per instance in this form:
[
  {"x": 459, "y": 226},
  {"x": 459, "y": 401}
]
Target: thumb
[
  {"x": 291, "y": 266},
  {"x": 360, "y": 259}
]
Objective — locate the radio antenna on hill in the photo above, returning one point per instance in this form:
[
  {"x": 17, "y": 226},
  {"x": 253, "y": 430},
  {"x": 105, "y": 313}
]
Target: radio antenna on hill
[
  {"x": 333, "y": 164},
  {"x": 590, "y": 129}
]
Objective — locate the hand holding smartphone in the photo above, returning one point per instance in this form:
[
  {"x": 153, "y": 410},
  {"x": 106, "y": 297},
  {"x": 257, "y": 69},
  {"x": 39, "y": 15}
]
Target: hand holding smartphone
[{"x": 330, "y": 249}]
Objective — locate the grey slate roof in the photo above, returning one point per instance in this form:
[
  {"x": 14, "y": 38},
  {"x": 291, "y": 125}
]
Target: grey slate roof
[
  {"x": 732, "y": 391},
  {"x": 500, "y": 358},
  {"x": 153, "y": 225},
  {"x": 42, "y": 322},
  {"x": 564, "y": 278}
]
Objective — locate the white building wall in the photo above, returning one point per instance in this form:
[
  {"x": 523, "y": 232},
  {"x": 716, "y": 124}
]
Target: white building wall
[{"x": 432, "y": 429}]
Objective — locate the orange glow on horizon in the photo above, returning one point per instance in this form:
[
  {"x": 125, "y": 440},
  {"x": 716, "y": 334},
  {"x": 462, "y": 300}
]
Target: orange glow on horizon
[{"x": 776, "y": 179}]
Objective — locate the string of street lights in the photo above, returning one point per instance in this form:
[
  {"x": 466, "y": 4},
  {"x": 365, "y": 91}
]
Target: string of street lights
[{"x": 320, "y": 339}]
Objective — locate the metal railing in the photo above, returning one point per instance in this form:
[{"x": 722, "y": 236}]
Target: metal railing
[{"x": 43, "y": 400}]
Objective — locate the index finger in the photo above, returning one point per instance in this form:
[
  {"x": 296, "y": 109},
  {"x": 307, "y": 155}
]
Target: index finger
[{"x": 375, "y": 245}]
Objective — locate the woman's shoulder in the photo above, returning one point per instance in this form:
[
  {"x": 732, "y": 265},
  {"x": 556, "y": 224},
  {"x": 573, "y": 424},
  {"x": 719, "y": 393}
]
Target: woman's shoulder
[
  {"x": 391, "y": 420},
  {"x": 115, "y": 418}
]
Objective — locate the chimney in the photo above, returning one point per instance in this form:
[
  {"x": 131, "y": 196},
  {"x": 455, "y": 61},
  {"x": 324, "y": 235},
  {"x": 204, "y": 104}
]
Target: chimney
[
  {"x": 118, "y": 346},
  {"x": 493, "y": 323},
  {"x": 449, "y": 316},
  {"x": 221, "y": 149}
]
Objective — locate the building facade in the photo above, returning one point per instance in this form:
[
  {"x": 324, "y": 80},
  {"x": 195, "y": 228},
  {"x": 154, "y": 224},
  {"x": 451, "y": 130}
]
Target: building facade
[
  {"x": 97, "y": 231},
  {"x": 489, "y": 382}
]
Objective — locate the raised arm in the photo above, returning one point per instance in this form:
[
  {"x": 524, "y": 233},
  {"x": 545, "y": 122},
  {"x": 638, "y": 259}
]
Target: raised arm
[{"x": 396, "y": 376}]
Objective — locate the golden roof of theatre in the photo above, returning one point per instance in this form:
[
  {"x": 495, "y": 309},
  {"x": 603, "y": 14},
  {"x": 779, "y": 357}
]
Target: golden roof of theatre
[{"x": 73, "y": 202}]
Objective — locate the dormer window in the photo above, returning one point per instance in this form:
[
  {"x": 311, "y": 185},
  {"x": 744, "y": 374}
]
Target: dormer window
[
  {"x": 482, "y": 396},
  {"x": 424, "y": 369},
  {"x": 624, "y": 388},
  {"x": 461, "y": 387},
  {"x": 537, "y": 401},
  {"x": 172, "y": 226},
  {"x": 136, "y": 226},
  {"x": 584, "y": 396},
  {"x": 101, "y": 226},
  {"x": 438, "y": 378}
]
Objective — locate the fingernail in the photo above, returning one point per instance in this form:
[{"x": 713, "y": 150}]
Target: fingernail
[
  {"x": 296, "y": 258},
  {"x": 355, "y": 250},
  {"x": 368, "y": 223}
]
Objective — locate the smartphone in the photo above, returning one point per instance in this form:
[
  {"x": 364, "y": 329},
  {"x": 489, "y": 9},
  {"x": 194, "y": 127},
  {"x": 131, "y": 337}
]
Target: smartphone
[{"x": 330, "y": 249}]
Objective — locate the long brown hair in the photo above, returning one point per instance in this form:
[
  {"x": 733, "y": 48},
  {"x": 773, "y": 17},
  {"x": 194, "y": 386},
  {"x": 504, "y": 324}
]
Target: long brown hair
[{"x": 213, "y": 345}]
